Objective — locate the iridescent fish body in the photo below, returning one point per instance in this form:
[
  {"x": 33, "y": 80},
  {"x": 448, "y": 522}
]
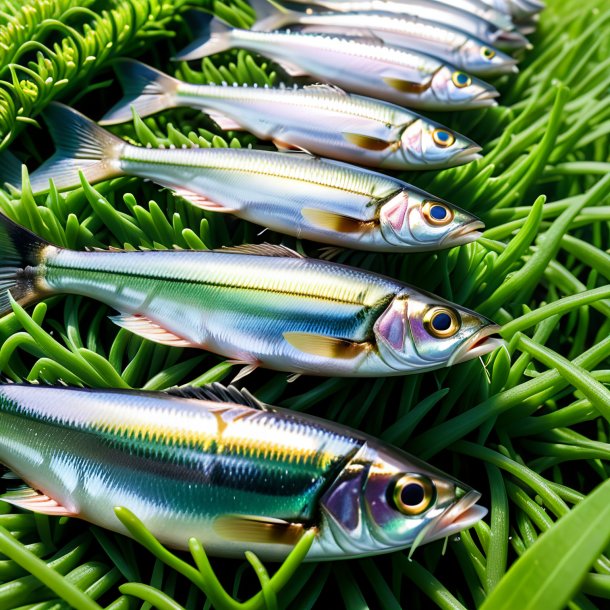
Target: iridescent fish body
[
  {"x": 294, "y": 193},
  {"x": 257, "y": 305},
  {"x": 357, "y": 64},
  {"x": 517, "y": 9},
  {"x": 216, "y": 464},
  {"x": 447, "y": 43},
  {"x": 320, "y": 119},
  {"x": 501, "y": 35}
]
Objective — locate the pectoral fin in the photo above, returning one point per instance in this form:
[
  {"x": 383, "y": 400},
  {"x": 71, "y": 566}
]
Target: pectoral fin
[
  {"x": 326, "y": 347},
  {"x": 258, "y": 530},
  {"x": 199, "y": 200},
  {"x": 224, "y": 122},
  {"x": 37, "y": 502},
  {"x": 367, "y": 142},
  {"x": 334, "y": 222},
  {"x": 144, "y": 327},
  {"x": 407, "y": 86}
]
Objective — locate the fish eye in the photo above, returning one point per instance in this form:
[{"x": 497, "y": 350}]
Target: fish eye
[
  {"x": 413, "y": 494},
  {"x": 441, "y": 322},
  {"x": 488, "y": 53},
  {"x": 461, "y": 79},
  {"x": 436, "y": 213},
  {"x": 443, "y": 138}
]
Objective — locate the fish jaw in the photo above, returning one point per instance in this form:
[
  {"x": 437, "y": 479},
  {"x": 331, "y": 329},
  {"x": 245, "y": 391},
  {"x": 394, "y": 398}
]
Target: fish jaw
[
  {"x": 467, "y": 155},
  {"x": 463, "y": 235},
  {"x": 480, "y": 344}
]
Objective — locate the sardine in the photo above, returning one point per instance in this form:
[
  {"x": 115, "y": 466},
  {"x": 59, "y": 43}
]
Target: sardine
[
  {"x": 294, "y": 193},
  {"x": 449, "y": 44},
  {"x": 445, "y": 13},
  {"x": 216, "y": 464},
  {"x": 259, "y": 305},
  {"x": 357, "y": 64},
  {"x": 519, "y": 10},
  {"x": 319, "y": 119}
]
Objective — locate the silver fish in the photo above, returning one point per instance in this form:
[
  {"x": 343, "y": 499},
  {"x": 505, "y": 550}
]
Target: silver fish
[
  {"x": 338, "y": 125},
  {"x": 358, "y": 64},
  {"x": 518, "y": 9},
  {"x": 462, "y": 50},
  {"x": 294, "y": 193}
]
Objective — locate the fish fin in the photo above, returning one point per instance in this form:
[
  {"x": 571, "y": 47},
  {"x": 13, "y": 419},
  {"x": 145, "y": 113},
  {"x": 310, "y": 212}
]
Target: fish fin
[
  {"x": 261, "y": 530},
  {"x": 21, "y": 253},
  {"x": 246, "y": 370},
  {"x": 81, "y": 146},
  {"x": 260, "y": 250},
  {"x": 10, "y": 169},
  {"x": 368, "y": 142},
  {"x": 325, "y": 347},
  {"x": 146, "y": 89},
  {"x": 325, "y": 88},
  {"x": 276, "y": 21},
  {"x": 332, "y": 221},
  {"x": 407, "y": 86},
  {"x": 37, "y": 502},
  {"x": 216, "y": 392},
  {"x": 291, "y": 69},
  {"x": 285, "y": 147},
  {"x": 9, "y": 475},
  {"x": 292, "y": 378},
  {"x": 225, "y": 122},
  {"x": 201, "y": 201},
  {"x": 214, "y": 37},
  {"x": 144, "y": 327},
  {"x": 327, "y": 254}
]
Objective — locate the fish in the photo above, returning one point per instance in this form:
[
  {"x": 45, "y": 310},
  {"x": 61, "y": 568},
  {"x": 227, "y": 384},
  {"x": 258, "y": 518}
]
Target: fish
[
  {"x": 341, "y": 126},
  {"x": 217, "y": 464},
  {"x": 358, "y": 64},
  {"x": 444, "y": 42},
  {"x": 256, "y": 304},
  {"x": 519, "y": 10},
  {"x": 293, "y": 193},
  {"x": 501, "y": 36}
]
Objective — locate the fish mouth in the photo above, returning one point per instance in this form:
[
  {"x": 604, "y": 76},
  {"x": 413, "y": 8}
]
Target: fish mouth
[
  {"x": 513, "y": 39},
  {"x": 485, "y": 98},
  {"x": 462, "y": 515},
  {"x": 464, "y": 235},
  {"x": 482, "y": 343},
  {"x": 467, "y": 155}
]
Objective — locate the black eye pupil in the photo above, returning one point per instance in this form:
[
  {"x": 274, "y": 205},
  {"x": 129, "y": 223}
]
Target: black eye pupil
[
  {"x": 438, "y": 212},
  {"x": 412, "y": 494},
  {"x": 441, "y": 322}
]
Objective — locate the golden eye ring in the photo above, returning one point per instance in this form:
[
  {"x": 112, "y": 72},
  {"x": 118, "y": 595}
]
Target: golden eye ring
[
  {"x": 441, "y": 322},
  {"x": 437, "y": 213},
  {"x": 413, "y": 494},
  {"x": 461, "y": 79},
  {"x": 443, "y": 138},
  {"x": 488, "y": 53}
]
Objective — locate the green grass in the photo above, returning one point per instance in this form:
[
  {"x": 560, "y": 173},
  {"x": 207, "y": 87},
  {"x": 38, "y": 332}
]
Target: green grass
[{"x": 529, "y": 427}]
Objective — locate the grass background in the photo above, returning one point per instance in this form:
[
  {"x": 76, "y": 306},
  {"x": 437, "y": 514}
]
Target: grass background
[{"x": 528, "y": 426}]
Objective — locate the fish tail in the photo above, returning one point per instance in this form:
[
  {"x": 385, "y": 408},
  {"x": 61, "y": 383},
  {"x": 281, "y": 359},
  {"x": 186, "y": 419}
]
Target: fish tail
[
  {"x": 21, "y": 255},
  {"x": 214, "y": 37},
  {"x": 10, "y": 169},
  {"x": 147, "y": 90},
  {"x": 81, "y": 145}
]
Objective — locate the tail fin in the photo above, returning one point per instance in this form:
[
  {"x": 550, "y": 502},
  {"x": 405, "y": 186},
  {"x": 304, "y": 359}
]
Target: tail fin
[
  {"x": 21, "y": 253},
  {"x": 10, "y": 169},
  {"x": 272, "y": 16},
  {"x": 214, "y": 37},
  {"x": 148, "y": 90},
  {"x": 81, "y": 145}
]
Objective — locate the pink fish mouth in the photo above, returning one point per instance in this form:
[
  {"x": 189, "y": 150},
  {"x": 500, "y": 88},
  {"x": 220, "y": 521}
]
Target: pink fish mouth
[
  {"x": 464, "y": 235},
  {"x": 481, "y": 344},
  {"x": 462, "y": 515}
]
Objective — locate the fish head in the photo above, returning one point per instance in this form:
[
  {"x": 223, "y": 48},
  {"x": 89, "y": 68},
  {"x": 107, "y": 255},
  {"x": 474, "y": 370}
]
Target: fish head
[
  {"x": 415, "y": 219},
  {"x": 483, "y": 59},
  {"x": 437, "y": 145},
  {"x": 420, "y": 331},
  {"x": 385, "y": 500},
  {"x": 461, "y": 90}
]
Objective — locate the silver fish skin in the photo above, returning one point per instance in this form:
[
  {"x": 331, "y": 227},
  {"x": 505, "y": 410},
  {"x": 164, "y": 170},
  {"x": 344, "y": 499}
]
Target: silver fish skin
[
  {"x": 258, "y": 305},
  {"x": 424, "y": 9},
  {"x": 454, "y": 46},
  {"x": 293, "y": 193},
  {"x": 216, "y": 464},
  {"x": 519, "y": 10},
  {"x": 337, "y": 125},
  {"x": 357, "y": 64}
]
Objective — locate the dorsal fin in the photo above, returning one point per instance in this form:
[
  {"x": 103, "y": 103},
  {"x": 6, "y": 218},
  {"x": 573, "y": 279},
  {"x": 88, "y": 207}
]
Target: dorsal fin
[
  {"x": 325, "y": 88},
  {"x": 260, "y": 250},
  {"x": 216, "y": 392}
]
